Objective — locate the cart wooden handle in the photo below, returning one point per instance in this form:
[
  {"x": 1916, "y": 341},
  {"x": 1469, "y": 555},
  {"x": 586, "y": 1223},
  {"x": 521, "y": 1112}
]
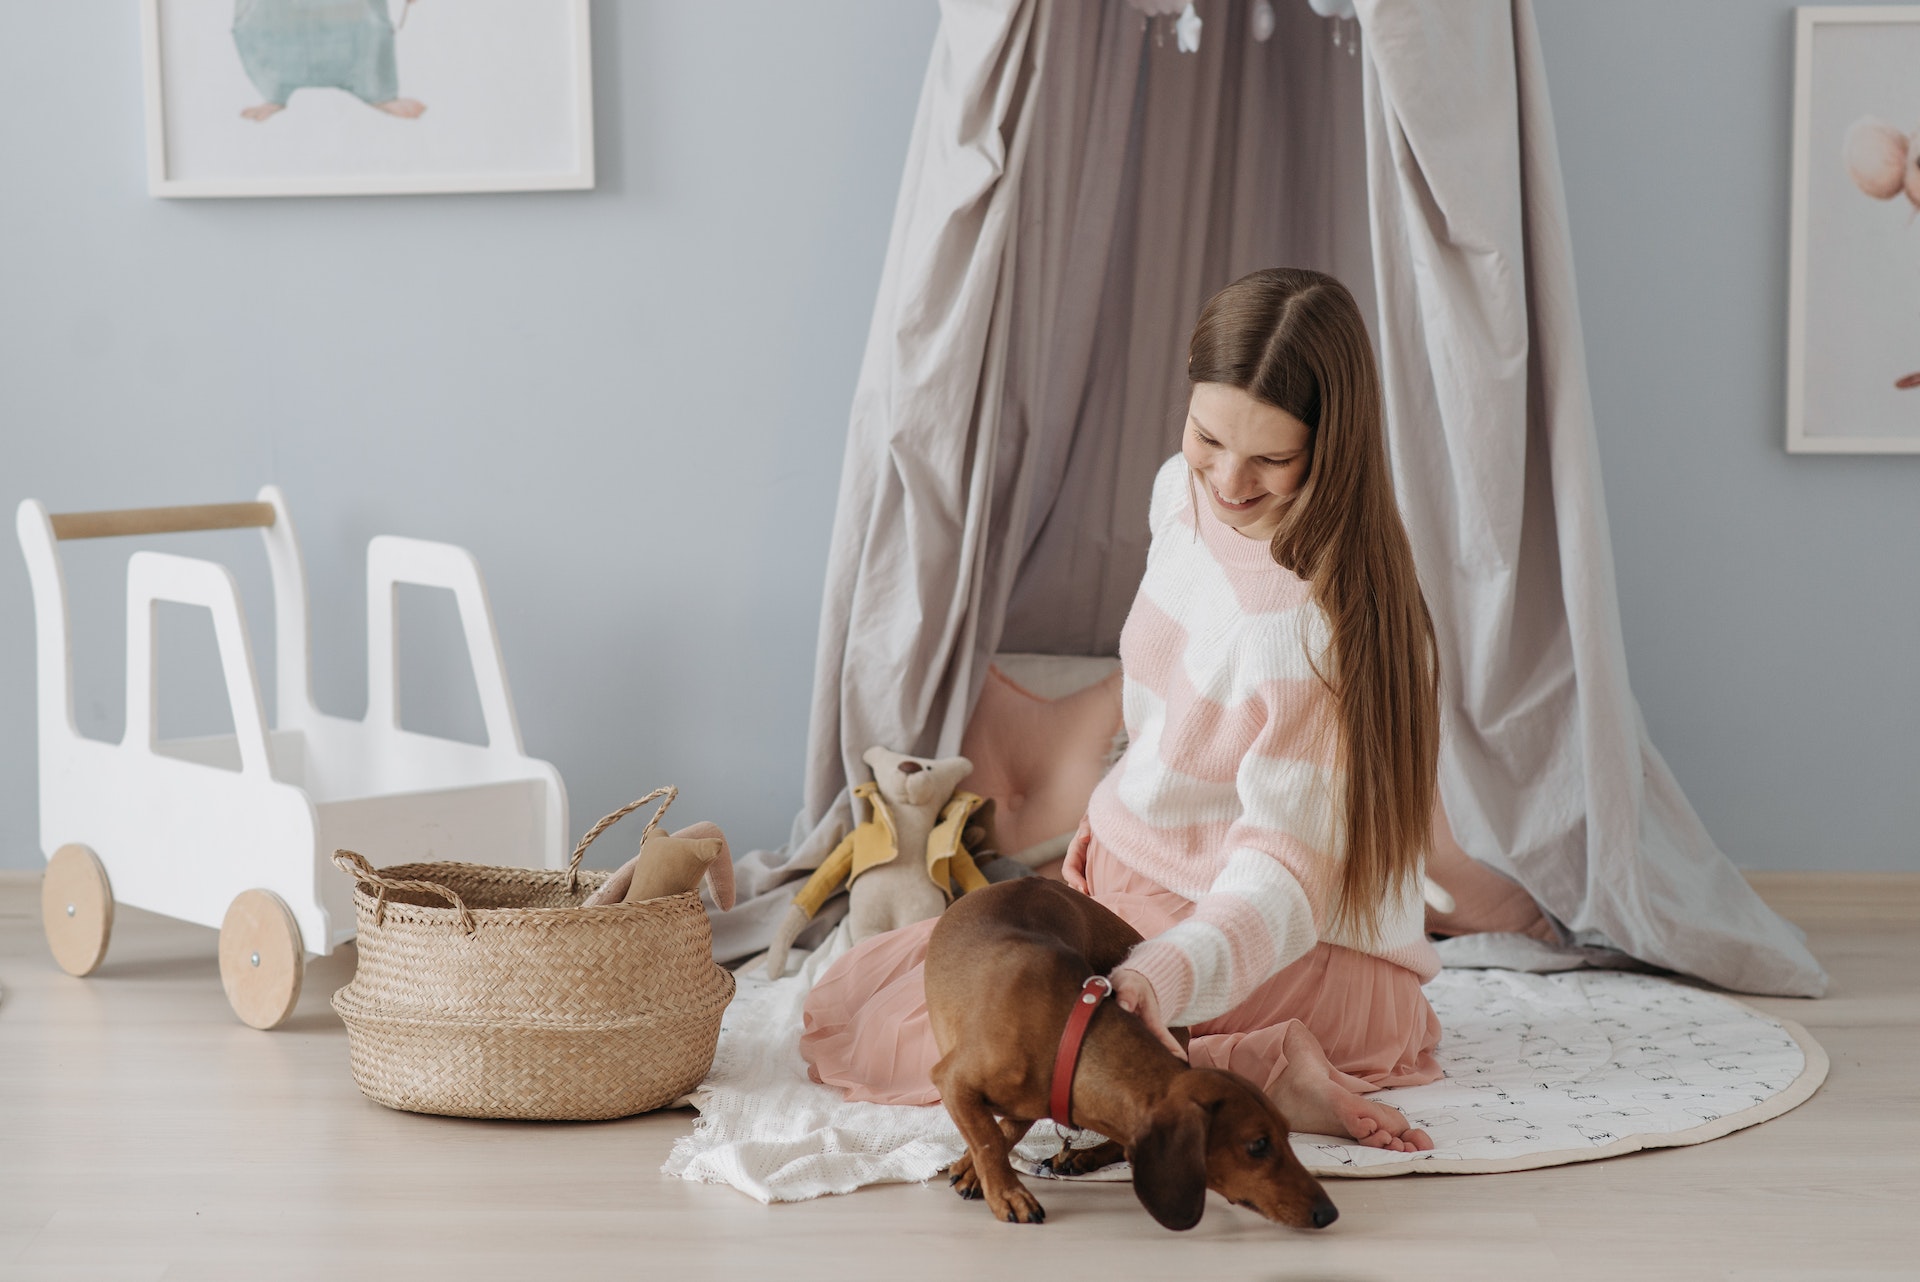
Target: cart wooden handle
[{"x": 161, "y": 520}]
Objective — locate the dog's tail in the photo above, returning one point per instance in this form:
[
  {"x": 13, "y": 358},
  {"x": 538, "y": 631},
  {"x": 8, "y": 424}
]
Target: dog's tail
[{"x": 790, "y": 927}]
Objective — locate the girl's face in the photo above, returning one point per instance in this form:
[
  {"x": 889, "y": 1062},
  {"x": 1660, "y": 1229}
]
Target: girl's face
[{"x": 1250, "y": 457}]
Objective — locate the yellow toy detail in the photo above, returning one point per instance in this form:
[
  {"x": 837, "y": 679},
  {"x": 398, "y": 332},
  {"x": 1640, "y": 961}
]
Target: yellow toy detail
[{"x": 949, "y": 861}]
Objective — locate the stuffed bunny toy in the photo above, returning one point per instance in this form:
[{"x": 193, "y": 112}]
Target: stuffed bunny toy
[{"x": 672, "y": 865}]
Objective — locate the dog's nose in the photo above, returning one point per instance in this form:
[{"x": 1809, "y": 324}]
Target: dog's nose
[
  {"x": 910, "y": 767},
  {"x": 1325, "y": 1214}
]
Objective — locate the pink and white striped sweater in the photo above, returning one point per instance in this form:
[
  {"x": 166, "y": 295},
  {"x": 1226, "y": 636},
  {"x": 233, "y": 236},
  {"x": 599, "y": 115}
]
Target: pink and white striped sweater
[{"x": 1229, "y": 790}]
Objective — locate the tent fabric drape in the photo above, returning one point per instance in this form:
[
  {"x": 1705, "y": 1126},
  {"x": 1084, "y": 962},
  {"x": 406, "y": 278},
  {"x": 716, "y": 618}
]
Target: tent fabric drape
[
  {"x": 1546, "y": 768},
  {"x": 1073, "y": 192}
]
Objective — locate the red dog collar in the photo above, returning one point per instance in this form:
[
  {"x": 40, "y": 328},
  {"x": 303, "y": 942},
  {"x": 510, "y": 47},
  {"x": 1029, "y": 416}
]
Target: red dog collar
[{"x": 1096, "y": 990}]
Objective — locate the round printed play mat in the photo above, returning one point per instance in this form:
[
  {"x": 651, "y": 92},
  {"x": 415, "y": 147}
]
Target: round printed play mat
[
  {"x": 1541, "y": 1070},
  {"x": 1570, "y": 1067}
]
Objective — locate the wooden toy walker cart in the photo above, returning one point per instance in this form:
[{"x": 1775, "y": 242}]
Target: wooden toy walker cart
[{"x": 236, "y": 831}]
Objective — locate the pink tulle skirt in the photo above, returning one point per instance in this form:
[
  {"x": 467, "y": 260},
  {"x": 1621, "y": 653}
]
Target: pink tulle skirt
[{"x": 867, "y": 1032}]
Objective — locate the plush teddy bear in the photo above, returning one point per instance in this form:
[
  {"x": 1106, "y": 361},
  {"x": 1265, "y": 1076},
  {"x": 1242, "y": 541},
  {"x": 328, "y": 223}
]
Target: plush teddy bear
[
  {"x": 672, "y": 865},
  {"x": 914, "y": 809}
]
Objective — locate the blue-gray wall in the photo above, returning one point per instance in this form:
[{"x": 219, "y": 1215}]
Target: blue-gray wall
[
  {"x": 630, "y": 403},
  {"x": 1771, "y": 602}
]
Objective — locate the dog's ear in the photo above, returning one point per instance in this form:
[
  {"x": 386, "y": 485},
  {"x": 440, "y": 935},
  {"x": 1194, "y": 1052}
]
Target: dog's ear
[{"x": 1170, "y": 1163}]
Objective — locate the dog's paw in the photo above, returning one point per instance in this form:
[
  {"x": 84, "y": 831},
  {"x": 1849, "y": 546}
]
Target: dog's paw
[
  {"x": 1017, "y": 1206},
  {"x": 961, "y": 1176},
  {"x": 1081, "y": 1161}
]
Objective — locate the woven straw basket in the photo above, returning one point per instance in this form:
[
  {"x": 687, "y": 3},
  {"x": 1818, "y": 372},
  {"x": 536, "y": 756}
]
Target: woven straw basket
[{"x": 490, "y": 992}]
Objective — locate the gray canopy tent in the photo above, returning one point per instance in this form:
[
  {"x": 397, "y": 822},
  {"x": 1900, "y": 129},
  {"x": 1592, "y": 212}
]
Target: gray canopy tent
[{"x": 1074, "y": 190}]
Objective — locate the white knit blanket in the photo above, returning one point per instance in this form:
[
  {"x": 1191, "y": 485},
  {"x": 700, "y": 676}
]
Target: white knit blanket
[{"x": 1540, "y": 1070}]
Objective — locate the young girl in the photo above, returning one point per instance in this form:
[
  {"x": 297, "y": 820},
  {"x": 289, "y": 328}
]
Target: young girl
[{"x": 1265, "y": 828}]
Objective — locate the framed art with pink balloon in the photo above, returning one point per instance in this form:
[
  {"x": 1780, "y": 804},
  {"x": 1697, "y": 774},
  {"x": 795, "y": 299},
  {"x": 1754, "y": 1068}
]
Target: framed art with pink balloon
[{"x": 1853, "y": 319}]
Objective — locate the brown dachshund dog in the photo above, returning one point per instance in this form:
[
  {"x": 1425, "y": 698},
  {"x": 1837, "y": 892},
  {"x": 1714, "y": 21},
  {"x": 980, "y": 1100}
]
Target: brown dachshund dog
[{"x": 1004, "y": 968}]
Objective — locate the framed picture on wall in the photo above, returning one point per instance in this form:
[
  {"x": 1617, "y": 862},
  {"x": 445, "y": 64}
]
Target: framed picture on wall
[
  {"x": 1853, "y": 318},
  {"x": 357, "y": 97}
]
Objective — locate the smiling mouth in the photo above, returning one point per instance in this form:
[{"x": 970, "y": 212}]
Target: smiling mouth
[{"x": 1231, "y": 505}]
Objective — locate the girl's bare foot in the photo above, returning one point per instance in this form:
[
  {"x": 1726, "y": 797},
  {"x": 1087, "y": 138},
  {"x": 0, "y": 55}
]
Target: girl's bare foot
[
  {"x": 405, "y": 108},
  {"x": 1313, "y": 1100},
  {"x": 264, "y": 110}
]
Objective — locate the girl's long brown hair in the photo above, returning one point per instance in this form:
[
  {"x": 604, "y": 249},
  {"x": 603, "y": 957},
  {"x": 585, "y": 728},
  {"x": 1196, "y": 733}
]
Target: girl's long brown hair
[{"x": 1294, "y": 339}]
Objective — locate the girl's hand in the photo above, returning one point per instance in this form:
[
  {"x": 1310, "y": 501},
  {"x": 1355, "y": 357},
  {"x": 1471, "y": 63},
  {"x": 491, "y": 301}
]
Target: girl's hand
[
  {"x": 1135, "y": 994},
  {"x": 1074, "y": 869}
]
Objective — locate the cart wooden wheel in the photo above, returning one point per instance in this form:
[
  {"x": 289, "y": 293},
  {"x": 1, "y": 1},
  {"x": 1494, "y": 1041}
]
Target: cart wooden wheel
[
  {"x": 261, "y": 961},
  {"x": 76, "y": 909}
]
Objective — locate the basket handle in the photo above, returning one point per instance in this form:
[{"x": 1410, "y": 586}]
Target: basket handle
[
  {"x": 357, "y": 867},
  {"x": 653, "y": 826}
]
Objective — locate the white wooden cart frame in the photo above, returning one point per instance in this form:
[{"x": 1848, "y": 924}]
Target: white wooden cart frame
[{"x": 235, "y": 831}]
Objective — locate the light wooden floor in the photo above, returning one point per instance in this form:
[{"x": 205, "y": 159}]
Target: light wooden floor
[{"x": 145, "y": 1134}]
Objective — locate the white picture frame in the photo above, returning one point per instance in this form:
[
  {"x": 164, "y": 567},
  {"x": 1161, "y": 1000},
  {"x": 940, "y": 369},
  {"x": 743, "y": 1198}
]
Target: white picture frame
[
  {"x": 1853, "y": 311},
  {"x": 438, "y": 96}
]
